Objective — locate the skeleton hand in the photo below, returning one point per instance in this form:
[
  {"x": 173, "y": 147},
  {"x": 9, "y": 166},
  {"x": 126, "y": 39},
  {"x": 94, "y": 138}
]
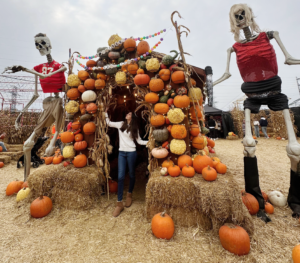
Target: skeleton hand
[
  {"x": 291, "y": 61},
  {"x": 224, "y": 77},
  {"x": 14, "y": 69}
]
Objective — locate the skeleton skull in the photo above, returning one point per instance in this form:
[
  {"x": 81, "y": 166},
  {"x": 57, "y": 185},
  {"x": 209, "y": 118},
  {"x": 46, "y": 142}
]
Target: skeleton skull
[
  {"x": 43, "y": 44},
  {"x": 240, "y": 19}
]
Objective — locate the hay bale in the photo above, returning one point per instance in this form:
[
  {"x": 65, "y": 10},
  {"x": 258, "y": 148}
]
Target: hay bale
[
  {"x": 15, "y": 156},
  {"x": 232, "y": 137},
  {"x": 215, "y": 202},
  {"x": 5, "y": 159},
  {"x": 68, "y": 187}
]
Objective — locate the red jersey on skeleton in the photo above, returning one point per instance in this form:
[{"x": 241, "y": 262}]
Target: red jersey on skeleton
[
  {"x": 53, "y": 83},
  {"x": 257, "y": 59}
]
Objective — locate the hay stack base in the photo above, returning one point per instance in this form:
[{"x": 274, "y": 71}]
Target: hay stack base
[
  {"x": 194, "y": 201},
  {"x": 229, "y": 137},
  {"x": 68, "y": 187}
]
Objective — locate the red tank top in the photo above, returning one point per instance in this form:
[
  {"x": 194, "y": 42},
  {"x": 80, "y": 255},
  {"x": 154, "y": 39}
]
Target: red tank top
[{"x": 257, "y": 59}]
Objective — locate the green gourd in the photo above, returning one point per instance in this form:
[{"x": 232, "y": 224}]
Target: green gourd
[
  {"x": 161, "y": 93},
  {"x": 172, "y": 94},
  {"x": 168, "y": 59},
  {"x": 164, "y": 99},
  {"x": 121, "y": 59},
  {"x": 142, "y": 64}
]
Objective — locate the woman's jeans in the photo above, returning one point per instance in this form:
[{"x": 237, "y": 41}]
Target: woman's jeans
[
  {"x": 129, "y": 158},
  {"x": 212, "y": 133},
  {"x": 3, "y": 147},
  {"x": 264, "y": 129},
  {"x": 256, "y": 128}
]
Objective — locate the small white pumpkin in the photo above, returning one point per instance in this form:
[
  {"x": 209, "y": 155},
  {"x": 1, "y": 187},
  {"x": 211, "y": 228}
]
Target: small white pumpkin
[
  {"x": 164, "y": 171},
  {"x": 160, "y": 153},
  {"x": 277, "y": 198},
  {"x": 22, "y": 194},
  {"x": 89, "y": 96}
]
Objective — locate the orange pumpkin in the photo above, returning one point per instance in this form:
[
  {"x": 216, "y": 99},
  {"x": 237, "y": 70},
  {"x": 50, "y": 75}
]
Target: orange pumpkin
[
  {"x": 102, "y": 76},
  {"x": 89, "y": 128},
  {"x": 80, "y": 160},
  {"x": 89, "y": 84},
  {"x": 250, "y": 202},
  {"x": 113, "y": 186},
  {"x": 157, "y": 120},
  {"x": 129, "y": 44},
  {"x": 198, "y": 142},
  {"x": 48, "y": 160},
  {"x": 178, "y": 132},
  {"x": 100, "y": 84},
  {"x": 209, "y": 174},
  {"x": 265, "y": 196},
  {"x": 221, "y": 168},
  {"x": 296, "y": 254},
  {"x": 83, "y": 75},
  {"x": 81, "y": 88},
  {"x": 142, "y": 48},
  {"x": 80, "y": 146},
  {"x": 141, "y": 79},
  {"x": 1, "y": 164},
  {"x": 210, "y": 143},
  {"x": 194, "y": 130},
  {"x": 178, "y": 77},
  {"x": 181, "y": 101},
  {"x": 91, "y": 108},
  {"x": 161, "y": 108},
  {"x": 183, "y": 160},
  {"x": 41, "y": 207},
  {"x": 162, "y": 226},
  {"x": 91, "y": 63},
  {"x": 269, "y": 208},
  {"x": 215, "y": 162},
  {"x": 174, "y": 170},
  {"x": 193, "y": 110},
  {"x": 1, "y": 149},
  {"x": 193, "y": 82},
  {"x": 67, "y": 137},
  {"x": 14, "y": 187},
  {"x": 132, "y": 68},
  {"x": 76, "y": 125},
  {"x": 78, "y": 137},
  {"x": 73, "y": 94},
  {"x": 188, "y": 171},
  {"x": 164, "y": 74},
  {"x": 200, "y": 162},
  {"x": 151, "y": 97},
  {"x": 234, "y": 239},
  {"x": 167, "y": 163},
  {"x": 57, "y": 159},
  {"x": 156, "y": 85},
  {"x": 140, "y": 71},
  {"x": 66, "y": 163},
  {"x": 25, "y": 185}
]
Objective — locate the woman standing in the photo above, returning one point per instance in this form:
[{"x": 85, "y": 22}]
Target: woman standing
[
  {"x": 128, "y": 134},
  {"x": 256, "y": 127},
  {"x": 211, "y": 126}
]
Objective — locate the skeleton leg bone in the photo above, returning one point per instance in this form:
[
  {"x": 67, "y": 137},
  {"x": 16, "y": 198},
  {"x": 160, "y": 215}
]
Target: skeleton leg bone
[
  {"x": 250, "y": 168},
  {"x": 28, "y": 145}
]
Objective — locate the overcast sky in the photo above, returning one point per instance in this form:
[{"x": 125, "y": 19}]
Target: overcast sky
[{"x": 86, "y": 25}]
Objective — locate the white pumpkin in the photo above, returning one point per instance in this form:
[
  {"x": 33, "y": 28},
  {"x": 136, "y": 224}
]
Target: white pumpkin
[
  {"x": 277, "y": 198},
  {"x": 164, "y": 171},
  {"x": 89, "y": 96},
  {"x": 22, "y": 194},
  {"x": 160, "y": 153}
]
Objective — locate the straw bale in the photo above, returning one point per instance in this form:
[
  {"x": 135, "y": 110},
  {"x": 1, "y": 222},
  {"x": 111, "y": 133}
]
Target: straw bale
[
  {"x": 217, "y": 202},
  {"x": 14, "y": 155},
  {"x": 232, "y": 137}
]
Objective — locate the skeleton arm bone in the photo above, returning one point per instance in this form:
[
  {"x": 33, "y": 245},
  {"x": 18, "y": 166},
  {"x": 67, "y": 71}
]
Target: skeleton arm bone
[
  {"x": 227, "y": 74},
  {"x": 289, "y": 60}
]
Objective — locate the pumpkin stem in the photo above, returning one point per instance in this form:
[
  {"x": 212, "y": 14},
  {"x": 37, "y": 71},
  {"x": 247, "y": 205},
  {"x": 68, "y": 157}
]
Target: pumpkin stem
[
  {"x": 41, "y": 197},
  {"x": 163, "y": 213},
  {"x": 187, "y": 165},
  {"x": 176, "y": 53},
  {"x": 208, "y": 168},
  {"x": 24, "y": 188}
]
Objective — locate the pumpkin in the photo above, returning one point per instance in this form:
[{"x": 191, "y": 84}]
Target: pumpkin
[
  {"x": 25, "y": 185},
  {"x": 277, "y": 198},
  {"x": 68, "y": 152},
  {"x": 199, "y": 142},
  {"x": 67, "y": 137},
  {"x": 130, "y": 44},
  {"x": 193, "y": 82},
  {"x": 250, "y": 202},
  {"x": 174, "y": 170},
  {"x": 170, "y": 102},
  {"x": 156, "y": 85},
  {"x": 200, "y": 162},
  {"x": 83, "y": 75},
  {"x": 73, "y": 94},
  {"x": 76, "y": 125},
  {"x": 265, "y": 196},
  {"x": 175, "y": 115},
  {"x": 167, "y": 163},
  {"x": 91, "y": 63},
  {"x": 101, "y": 63},
  {"x": 102, "y": 76},
  {"x": 296, "y": 254},
  {"x": 41, "y": 207},
  {"x": 121, "y": 78},
  {"x": 1, "y": 149},
  {"x": 91, "y": 108},
  {"x": 116, "y": 41},
  {"x": 194, "y": 130},
  {"x": 177, "y": 146},
  {"x": 22, "y": 194},
  {"x": 141, "y": 79},
  {"x": 164, "y": 171},
  {"x": 89, "y": 84},
  {"x": 278, "y": 138},
  {"x": 178, "y": 77},
  {"x": 164, "y": 74},
  {"x": 188, "y": 171},
  {"x": 113, "y": 55},
  {"x": 178, "y": 131},
  {"x": 100, "y": 84},
  {"x": 234, "y": 239},
  {"x": 48, "y": 160},
  {"x": 80, "y": 160},
  {"x": 152, "y": 65},
  {"x": 215, "y": 162},
  {"x": 184, "y": 160},
  {"x": 89, "y": 128},
  {"x": 181, "y": 101},
  {"x": 113, "y": 186},
  {"x": 181, "y": 90},
  {"x": 1, "y": 164},
  {"x": 161, "y": 108},
  {"x": 209, "y": 174},
  {"x": 269, "y": 208},
  {"x": 193, "y": 110},
  {"x": 210, "y": 142},
  {"x": 157, "y": 120},
  {"x": 161, "y": 135},
  {"x": 57, "y": 159},
  {"x": 140, "y": 71},
  {"x": 132, "y": 68},
  {"x": 78, "y": 137},
  {"x": 162, "y": 226},
  {"x": 66, "y": 163},
  {"x": 195, "y": 94},
  {"x": 81, "y": 88},
  {"x": 89, "y": 96},
  {"x": 80, "y": 146},
  {"x": 221, "y": 168},
  {"x": 151, "y": 97},
  {"x": 142, "y": 48},
  {"x": 73, "y": 80},
  {"x": 14, "y": 187},
  {"x": 160, "y": 152},
  {"x": 72, "y": 107}
]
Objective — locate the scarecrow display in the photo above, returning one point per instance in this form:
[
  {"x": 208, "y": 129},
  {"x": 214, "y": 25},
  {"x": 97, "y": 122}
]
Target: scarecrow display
[
  {"x": 257, "y": 63},
  {"x": 52, "y": 79}
]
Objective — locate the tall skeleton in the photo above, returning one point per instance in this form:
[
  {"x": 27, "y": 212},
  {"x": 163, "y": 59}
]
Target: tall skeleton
[
  {"x": 53, "y": 111},
  {"x": 257, "y": 63}
]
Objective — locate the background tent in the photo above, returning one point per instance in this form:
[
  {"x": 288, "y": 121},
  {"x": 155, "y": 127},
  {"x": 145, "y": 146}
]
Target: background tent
[{"x": 212, "y": 111}]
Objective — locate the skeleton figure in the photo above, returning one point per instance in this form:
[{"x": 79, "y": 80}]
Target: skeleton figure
[
  {"x": 257, "y": 63},
  {"x": 52, "y": 80}
]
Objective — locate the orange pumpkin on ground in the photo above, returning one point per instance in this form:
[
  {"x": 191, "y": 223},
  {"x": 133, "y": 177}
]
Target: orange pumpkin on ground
[
  {"x": 41, "y": 207},
  {"x": 250, "y": 202},
  {"x": 199, "y": 142},
  {"x": 89, "y": 128},
  {"x": 157, "y": 120},
  {"x": 141, "y": 79},
  {"x": 73, "y": 94},
  {"x": 57, "y": 159},
  {"x": 66, "y": 163},
  {"x": 181, "y": 101},
  {"x": 164, "y": 74},
  {"x": 194, "y": 130},
  {"x": 156, "y": 85},
  {"x": 209, "y": 174},
  {"x": 142, "y": 48},
  {"x": 162, "y": 226},
  {"x": 83, "y": 75},
  {"x": 183, "y": 160},
  {"x": 161, "y": 108},
  {"x": 265, "y": 196},
  {"x": 151, "y": 97},
  {"x": 167, "y": 163},
  {"x": 89, "y": 84},
  {"x": 1, "y": 164},
  {"x": 1, "y": 149},
  {"x": 113, "y": 186},
  {"x": 188, "y": 171},
  {"x": 174, "y": 170},
  {"x": 78, "y": 137},
  {"x": 200, "y": 162},
  {"x": 67, "y": 137},
  {"x": 221, "y": 168},
  {"x": 210, "y": 143},
  {"x": 178, "y": 77},
  {"x": 296, "y": 254},
  {"x": 269, "y": 208},
  {"x": 80, "y": 146},
  {"x": 14, "y": 187},
  {"x": 80, "y": 160},
  {"x": 100, "y": 84},
  {"x": 48, "y": 160},
  {"x": 129, "y": 44},
  {"x": 234, "y": 239},
  {"x": 215, "y": 162}
]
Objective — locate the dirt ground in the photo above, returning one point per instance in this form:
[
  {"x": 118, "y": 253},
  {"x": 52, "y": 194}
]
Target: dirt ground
[{"x": 95, "y": 236}]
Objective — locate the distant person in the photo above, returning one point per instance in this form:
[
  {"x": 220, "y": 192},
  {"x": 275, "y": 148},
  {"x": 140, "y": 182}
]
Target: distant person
[
  {"x": 256, "y": 127},
  {"x": 211, "y": 126},
  {"x": 2, "y": 136},
  {"x": 264, "y": 123},
  {"x": 218, "y": 129}
]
